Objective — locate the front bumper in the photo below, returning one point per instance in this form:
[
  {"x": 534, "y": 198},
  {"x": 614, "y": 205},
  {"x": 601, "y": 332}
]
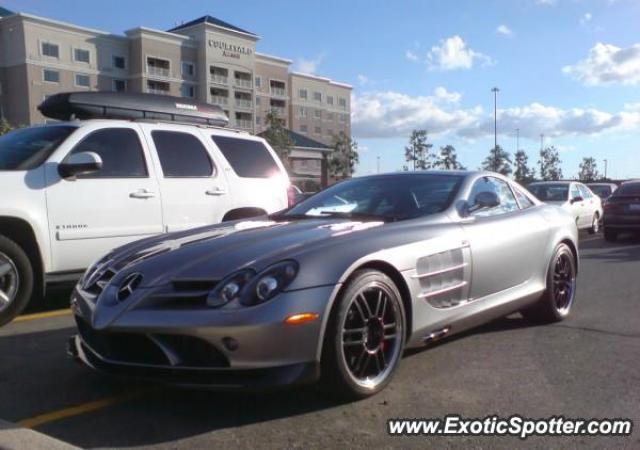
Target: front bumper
[{"x": 230, "y": 348}]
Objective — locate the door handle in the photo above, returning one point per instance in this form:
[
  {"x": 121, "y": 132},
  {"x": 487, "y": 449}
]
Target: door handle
[
  {"x": 142, "y": 193},
  {"x": 215, "y": 191}
]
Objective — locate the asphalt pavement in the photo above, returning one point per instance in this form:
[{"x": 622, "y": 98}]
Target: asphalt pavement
[{"x": 585, "y": 367}]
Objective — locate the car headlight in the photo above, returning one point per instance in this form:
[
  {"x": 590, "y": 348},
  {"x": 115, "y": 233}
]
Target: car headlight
[
  {"x": 230, "y": 288},
  {"x": 269, "y": 283}
]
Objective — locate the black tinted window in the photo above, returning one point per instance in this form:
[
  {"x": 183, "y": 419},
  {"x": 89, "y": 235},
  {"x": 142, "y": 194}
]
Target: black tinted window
[
  {"x": 27, "y": 148},
  {"x": 120, "y": 150},
  {"x": 550, "y": 192},
  {"x": 249, "y": 159},
  {"x": 182, "y": 154},
  {"x": 628, "y": 189}
]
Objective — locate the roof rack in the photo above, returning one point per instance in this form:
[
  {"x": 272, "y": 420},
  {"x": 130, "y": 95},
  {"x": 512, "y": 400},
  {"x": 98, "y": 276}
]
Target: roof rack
[{"x": 119, "y": 105}]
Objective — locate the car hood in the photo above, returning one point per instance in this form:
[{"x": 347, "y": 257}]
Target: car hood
[{"x": 214, "y": 252}]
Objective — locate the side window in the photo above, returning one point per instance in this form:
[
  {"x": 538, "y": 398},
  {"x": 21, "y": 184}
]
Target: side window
[
  {"x": 248, "y": 158},
  {"x": 182, "y": 155},
  {"x": 120, "y": 150},
  {"x": 501, "y": 189},
  {"x": 586, "y": 194},
  {"x": 575, "y": 192},
  {"x": 523, "y": 200}
]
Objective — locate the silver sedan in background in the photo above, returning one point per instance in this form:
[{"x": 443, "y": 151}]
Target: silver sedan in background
[
  {"x": 331, "y": 290},
  {"x": 576, "y": 198}
]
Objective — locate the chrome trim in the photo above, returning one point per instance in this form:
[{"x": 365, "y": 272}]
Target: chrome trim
[
  {"x": 443, "y": 290},
  {"x": 439, "y": 272}
]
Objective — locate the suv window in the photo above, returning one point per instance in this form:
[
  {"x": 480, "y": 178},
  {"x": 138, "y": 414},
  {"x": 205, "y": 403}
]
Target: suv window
[
  {"x": 182, "y": 155},
  {"x": 249, "y": 159},
  {"x": 501, "y": 189},
  {"x": 120, "y": 150}
]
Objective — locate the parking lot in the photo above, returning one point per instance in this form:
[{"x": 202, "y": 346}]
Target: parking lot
[{"x": 585, "y": 367}]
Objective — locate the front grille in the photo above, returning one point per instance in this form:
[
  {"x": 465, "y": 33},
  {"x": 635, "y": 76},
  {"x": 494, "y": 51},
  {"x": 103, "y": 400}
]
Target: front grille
[
  {"x": 184, "y": 293},
  {"x": 101, "y": 282},
  {"x": 164, "y": 350}
]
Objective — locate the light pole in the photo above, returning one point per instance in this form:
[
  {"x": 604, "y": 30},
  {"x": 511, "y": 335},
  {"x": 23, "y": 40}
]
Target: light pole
[
  {"x": 541, "y": 158},
  {"x": 605, "y": 169},
  {"x": 517, "y": 139},
  {"x": 495, "y": 91}
]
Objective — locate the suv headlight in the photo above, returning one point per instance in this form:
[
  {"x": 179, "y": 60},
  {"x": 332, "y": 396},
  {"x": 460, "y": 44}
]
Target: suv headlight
[
  {"x": 269, "y": 283},
  {"x": 230, "y": 288}
]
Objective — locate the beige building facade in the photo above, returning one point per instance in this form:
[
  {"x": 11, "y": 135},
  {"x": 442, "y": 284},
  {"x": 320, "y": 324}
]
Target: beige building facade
[{"x": 207, "y": 59}]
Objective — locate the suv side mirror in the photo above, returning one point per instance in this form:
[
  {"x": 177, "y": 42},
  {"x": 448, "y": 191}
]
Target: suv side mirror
[
  {"x": 82, "y": 163},
  {"x": 577, "y": 199},
  {"x": 484, "y": 200}
]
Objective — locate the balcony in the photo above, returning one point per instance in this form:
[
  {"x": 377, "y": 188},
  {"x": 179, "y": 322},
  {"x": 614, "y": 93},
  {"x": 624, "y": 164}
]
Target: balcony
[
  {"x": 244, "y": 124},
  {"x": 219, "y": 100},
  {"x": 158, "y": 71},
  {"x": 278, "y": 110},
  {"x": 244, "y": 103},
  {"x": 243, "y": 82},
  {"x": 219, "y": 79},
  {"x": 157, "y": 91},
  {"x": 278, "y": 92}
]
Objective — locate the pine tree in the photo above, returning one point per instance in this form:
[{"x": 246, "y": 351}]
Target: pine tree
[
  {"x": 522, "y": 173},
  {"x": 419, "y": 150},
  {"x": 498, "y": 160},
  {"x": 448, "y": 159},
  {"x": 278, "y": 137},
  {"x": 588, "y": 170},
  {"x": 344, "y": 157},
  {"x": 549, "y": 162}
]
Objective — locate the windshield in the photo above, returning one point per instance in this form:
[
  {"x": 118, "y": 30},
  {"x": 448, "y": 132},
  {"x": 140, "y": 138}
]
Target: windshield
[
  {"x": 27, "y": 148},
  {"x": 550, "y": 192},
  {"x": 601, "y": 191},
  {"x": 391, "y": 197}
]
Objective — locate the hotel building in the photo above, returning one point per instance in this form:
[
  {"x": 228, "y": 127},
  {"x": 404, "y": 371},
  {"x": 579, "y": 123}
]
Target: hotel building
[{"x": 207, "y": 59}]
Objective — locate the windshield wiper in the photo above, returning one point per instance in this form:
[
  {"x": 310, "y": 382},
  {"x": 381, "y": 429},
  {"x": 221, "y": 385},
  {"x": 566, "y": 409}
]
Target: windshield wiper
[{"x": 358, "y": 215}]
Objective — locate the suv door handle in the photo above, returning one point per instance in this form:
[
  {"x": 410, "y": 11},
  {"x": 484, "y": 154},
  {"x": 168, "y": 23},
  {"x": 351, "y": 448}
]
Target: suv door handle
[
  {"x": 215, "y": 191},
  {"x": 142, "y": 193}
]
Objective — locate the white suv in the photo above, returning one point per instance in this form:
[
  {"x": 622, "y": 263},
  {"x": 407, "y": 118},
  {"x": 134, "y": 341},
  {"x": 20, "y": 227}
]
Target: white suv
[{"x": 72, "y": 191}]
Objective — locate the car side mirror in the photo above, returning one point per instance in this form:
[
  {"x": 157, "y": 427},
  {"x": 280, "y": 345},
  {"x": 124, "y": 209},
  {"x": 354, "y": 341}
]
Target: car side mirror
[
  {"x": 484, "y": 200},
  {"x": 577, "y": 199},
  {"x": 82, "y": 163}
]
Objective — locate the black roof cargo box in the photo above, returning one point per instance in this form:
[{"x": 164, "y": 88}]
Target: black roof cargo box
[{"x": 119, "y": 105}]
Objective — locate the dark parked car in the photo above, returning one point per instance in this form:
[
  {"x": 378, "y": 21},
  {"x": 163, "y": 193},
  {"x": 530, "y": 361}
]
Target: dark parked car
[{"x": 622, "y": 210}]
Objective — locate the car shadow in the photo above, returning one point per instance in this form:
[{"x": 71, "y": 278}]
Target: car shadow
[{"x": 624, "y": 249}]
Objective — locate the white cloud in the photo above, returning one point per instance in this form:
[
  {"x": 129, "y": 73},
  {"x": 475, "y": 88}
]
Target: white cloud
[
  {"x": 393, "y": 114},
  {"x": 453, "y": 53},
  {"x": 364, "y": 80},
  {"x": 504, "y": 30},
  {"x": 608, "y": 64},
  {"x": 546, "y": 2},
  {"x": 586, "y": 18},
  {"x": 632, "y": 106},
  {"x": 411, "y": 55},
  {"x": 309, "y": 65}
]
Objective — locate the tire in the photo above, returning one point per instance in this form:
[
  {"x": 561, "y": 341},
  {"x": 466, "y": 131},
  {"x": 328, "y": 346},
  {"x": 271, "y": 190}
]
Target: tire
[
  {"x": 370, "y": 316},
  {"x": 558, "y": 298},
  {"x": 610, "y": 235},
  {"x": 595, "y": 224},
  {"x": 16, "y": 280}
]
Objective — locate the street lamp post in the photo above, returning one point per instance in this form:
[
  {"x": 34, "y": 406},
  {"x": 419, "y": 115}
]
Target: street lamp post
[
  {"x": 541, "y": 150},
  {"x": 495, "y": 91},
  {"x": 605, "y": 169},
  {"x": 517, "y": 139}
]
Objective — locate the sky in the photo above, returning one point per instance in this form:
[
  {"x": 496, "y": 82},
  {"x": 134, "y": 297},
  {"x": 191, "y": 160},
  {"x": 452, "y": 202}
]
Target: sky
[{"x": 567, "y": 69}]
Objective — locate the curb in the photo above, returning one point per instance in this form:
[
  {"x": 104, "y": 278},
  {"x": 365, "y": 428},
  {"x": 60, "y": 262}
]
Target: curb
[{"x": 13, "y": 436}]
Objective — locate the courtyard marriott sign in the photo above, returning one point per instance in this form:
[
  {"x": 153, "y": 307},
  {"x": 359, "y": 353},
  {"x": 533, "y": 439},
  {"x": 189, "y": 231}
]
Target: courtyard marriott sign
[{"x": 230, "y": 50}]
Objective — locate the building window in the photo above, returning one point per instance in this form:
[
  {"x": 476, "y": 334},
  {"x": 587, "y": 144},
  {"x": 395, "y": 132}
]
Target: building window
[
  {"x": 82, "y": 80},
  {"x": 318, "y": 113},
  {"x": 343, "y": 117},
  {"x": 258, "y": 120},
  {"x": 119, "y": 85},
  {"x": 329, "y": 132},
  {"x": 302, "y": 111},
  {"x": 303, "y": 128},
  {"x": 81, "y": 55},
  {"x": 330, "y": 116},
  {"x": 342, "y": 102},
  {"x": 258, "y": 101},
  {"x": 118, "y": 62},
  {"x": 188, "y": 69},
  {"x": 188, "y": 91},
  {"x": 49, "y": 49},
  {"x": 329, "y": 100},
  {"x": 318, "y": 130},
  {"x": 51, "y": 76},
  {"x": 302, "y": 93},
  {"x": 317, "y": 96},
  {"x": 258, "y": 82}
]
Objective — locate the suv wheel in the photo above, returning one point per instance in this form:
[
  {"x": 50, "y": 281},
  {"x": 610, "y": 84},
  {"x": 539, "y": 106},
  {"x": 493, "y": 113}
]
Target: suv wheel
[{"x": 16, "y": 280}]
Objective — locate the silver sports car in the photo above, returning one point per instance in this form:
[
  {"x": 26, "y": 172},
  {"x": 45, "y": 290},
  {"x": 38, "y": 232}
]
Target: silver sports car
[{"x": 331, "y": 290}]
